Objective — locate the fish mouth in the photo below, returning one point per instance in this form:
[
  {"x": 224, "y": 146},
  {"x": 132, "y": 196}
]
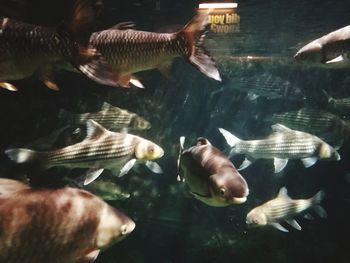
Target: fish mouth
[
  {"x": 127, "y": 228},
  {"x": 239, "y": 200}
]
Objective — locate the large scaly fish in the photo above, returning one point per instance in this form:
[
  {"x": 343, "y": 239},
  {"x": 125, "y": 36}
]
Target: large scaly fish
[
  {"x": 127, "y": 51},
  {"x": 56, "y": 225},
  {"x": 283, "y": 208},
  {"x": 110, "y": 117},
  {"x": 27, "y": 49},
  {"x": 101, "y": 149},
  {"x": 210, "y": 175},
  {"x": 331, "y": 48},
  {"x": 281, "y": 145}
]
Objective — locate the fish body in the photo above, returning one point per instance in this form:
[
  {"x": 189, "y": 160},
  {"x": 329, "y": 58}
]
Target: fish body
[
  {"x": 110, "y": 117},
  {"x": 210, "y": 175},
  {"x": 266, "y": 85},
  {"x": 313, "y": 121},
  {"x": 101, "y": 149},
  {"x": 283, "y": 208},
  {"x": 283, "y": 144},
  {"x": 107, "y": 190},
  {"x": 27, "y": 49},
  {"x": 330, "y": 48},
  {"x": 56, "y": 225},
  {"x": 127, "y": 51},
  {"x": 337, "y": 105}
]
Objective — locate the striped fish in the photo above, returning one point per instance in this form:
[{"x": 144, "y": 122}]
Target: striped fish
[
  {"x": 127, "y": 51},
  {"x": 101, "y": 149},
  {"x": 338, "y": 105},
  {"x": 283, "y": 208},
  {"x": 283, "y": 144},
  {"x": 110, "y": 117},
  {"x": 266, "y": 85},
  {"x": 27, "y": 49},
  {"x": 317, "y": 122},
  {"x": 328, "y": 49}
]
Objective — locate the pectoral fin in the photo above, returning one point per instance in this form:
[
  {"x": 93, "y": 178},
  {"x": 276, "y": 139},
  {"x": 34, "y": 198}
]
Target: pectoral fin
[
  {"x": 293, "y": 223},
  {"x": 245, "y": 164},
  {"x": 279, "y": 227},
  {"x": 8, "y": 86},
  {"x": 90, "y": 257},
  {"x": 92, "y": 175},
  {"x": 279, "y": 164},
  {"x": 308, "y": 217},
  {"x": 127, "y": 167},
  {"x": 320, "y": 211},
  {"x": 154, "y": 167},
  {"x": 310, "y": 161},
  {"x": 336, "y": 60}
]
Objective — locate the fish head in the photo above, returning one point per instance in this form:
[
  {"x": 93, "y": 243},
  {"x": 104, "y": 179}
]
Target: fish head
[
  {"x": 140, "y": 123},
  {"x": 256, "y": 218},
  {"x": 147, "y": 150},
  {"x": 325, "y": 151},
  {"x": 229, "y": 187},
  {"x": 311, "y": 52},
  {"x": 113, "y": 227}
]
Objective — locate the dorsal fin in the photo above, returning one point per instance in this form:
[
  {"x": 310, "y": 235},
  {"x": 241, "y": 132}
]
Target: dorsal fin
[
  {"x": 8, "y": 186},
  {"x": 124, "y": 26},
  {"x": 280, "y": 128},
  {"x": 202, "y": 141},
  {"x": 105, "y": 106},
  {"x": 283, "y": 193},
  {"x": 94, "y": 130}
]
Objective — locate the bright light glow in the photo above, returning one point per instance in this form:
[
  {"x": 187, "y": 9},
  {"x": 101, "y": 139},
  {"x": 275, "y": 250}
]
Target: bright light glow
[{"x": 217, "y": 5}]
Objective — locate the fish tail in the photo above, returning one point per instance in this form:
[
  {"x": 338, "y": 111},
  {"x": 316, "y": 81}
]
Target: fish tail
[
  {"x": 79, "y": 25},
  {"x": 231, "y": 139},
  {"x": 22, "y": 155},
  {"x": 316, "y": 200},
  {"x": 194, "y": 32}
]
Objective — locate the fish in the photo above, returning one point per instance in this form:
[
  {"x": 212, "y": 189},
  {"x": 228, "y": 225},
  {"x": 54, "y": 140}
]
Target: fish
[
  {"x": 101, "y": 149},
  {"x": 40, "y": 225},
  {"x": 110, "y": 117},
  {"x": 283, "y": 208},
  {"x": 210, "y": 176},
  {"x": 266, "y": 85},
  {"x": 318, "y": 122},
  {"x": 332, "y": 48},
  {"x": 127, "y": 51},
  {"x": 27, "y": 49},
  {"x": 337, "y": 105},
  {"x": 107, "y": 190},
  {"x": 283, "y": 144}
]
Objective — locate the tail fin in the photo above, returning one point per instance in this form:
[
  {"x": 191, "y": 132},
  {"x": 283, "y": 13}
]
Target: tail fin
[
  {"x": 22, "y": 155},
  {"x": 200, "y": 58},
  {"x": 316, "y": 200},
  {"x": 80, "y": 25}
]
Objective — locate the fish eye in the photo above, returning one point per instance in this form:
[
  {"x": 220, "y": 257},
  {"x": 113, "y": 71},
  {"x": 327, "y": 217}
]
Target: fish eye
[{"x": 222, "y": 191}]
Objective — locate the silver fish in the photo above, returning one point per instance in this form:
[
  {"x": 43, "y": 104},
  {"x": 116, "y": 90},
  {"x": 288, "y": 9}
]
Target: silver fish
[
  {"x": 283, "y": 208},
  {"x": 210, "y": 175},
  {"x": 101, "y": 149},
  {"x": 331, "y": 48},
  {"x": 27, "y": 49},
  {"x": 110, "y": 117},
  {"x": 283, "y": 144},
  {"x": 320, "y": 123},
  {"x": 266, "y": 85},
  {"x": 56, "y": 225},
  {"x": 127, "y": 51}
]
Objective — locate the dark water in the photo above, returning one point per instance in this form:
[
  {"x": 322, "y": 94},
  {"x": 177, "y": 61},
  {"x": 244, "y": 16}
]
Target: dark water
[{"x": 170, "y": 226}]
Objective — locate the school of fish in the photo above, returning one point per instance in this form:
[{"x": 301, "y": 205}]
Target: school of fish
[{"x": 73, "y": 224}]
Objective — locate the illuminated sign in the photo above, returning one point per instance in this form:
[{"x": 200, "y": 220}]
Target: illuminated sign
[{"x": 222, "y": 16}]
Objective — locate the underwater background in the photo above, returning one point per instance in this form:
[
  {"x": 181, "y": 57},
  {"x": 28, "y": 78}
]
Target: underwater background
[{"x": 170, "y": 226}]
